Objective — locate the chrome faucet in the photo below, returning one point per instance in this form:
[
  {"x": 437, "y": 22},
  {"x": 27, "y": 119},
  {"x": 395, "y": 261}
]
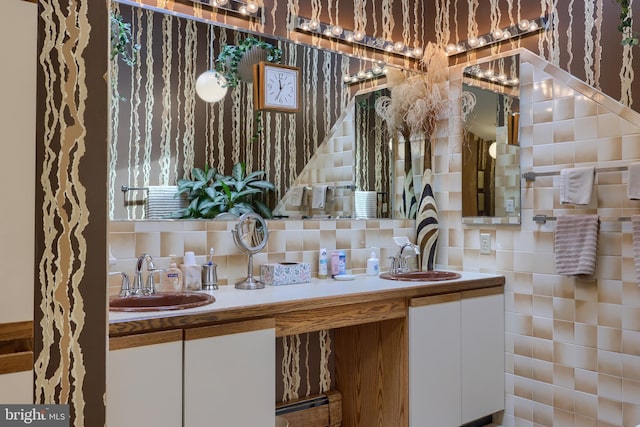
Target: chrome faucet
[
  {"x": 399, "y": 263},
  {"x": 149, "y": 288}
]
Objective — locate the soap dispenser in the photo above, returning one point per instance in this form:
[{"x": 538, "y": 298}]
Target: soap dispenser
[{"x": 373, "y": 265}]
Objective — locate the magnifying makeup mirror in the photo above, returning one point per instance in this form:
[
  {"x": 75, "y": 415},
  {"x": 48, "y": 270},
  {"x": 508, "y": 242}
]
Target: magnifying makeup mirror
[{"x": 251, "y": 237}]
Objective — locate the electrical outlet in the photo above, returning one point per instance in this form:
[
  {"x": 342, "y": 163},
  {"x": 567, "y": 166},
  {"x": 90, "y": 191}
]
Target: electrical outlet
[
  {"x": 510, "y": 205},
  {"x": 485, "y": 243}
]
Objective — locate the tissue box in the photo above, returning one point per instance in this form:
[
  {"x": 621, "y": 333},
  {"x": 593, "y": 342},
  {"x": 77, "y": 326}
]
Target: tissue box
[{"x": 285, "y": 273}]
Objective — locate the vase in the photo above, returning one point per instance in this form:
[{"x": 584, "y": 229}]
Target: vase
[
  {"x": 251, "y": 57},
  {"x": 409, "y": 203},
  {"x": 427, "y": 223}
]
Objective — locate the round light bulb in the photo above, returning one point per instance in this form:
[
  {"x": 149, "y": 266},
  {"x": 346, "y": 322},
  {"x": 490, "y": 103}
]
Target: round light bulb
[
  {"x": 243, "y": 10},
  {"x": 222, "y": 2},
  {"x": 502, "y": 77},
  {"x": 398, "y": 46},
  {"x": 473, "y": 41},
  {"x": 533, "y": 26},
  {"x": 362, "y": 74},
  {"x": 358, "y": 35},
  {"x": 328, "y": 32},
  {"x": 515, "y": 81},
  {"x": 369, "y": 75},
  {"x": 305, "y": 26},
  {"x": 314, "y": 24},
  {"x": 497, "y": 34},
  {"x": 450, "y": 48},
  {"x": 417, "y": 51},
  {"x": 523, "y": 24},
  {"x": 211, "y": 86},
  {"x": 376, "y": 70},
  {"x": 459, "y": 48},
  {"x": 482, "y": 41},
  {"x": 349, "y": 37},
  {"x": 488, "y": 73},
  {"x": 506, "y": 35},
  {"x": 337, "y": 30},
  {"x": 346, "y": 79},
  {"x": 493, "y": 149},
  {"x": 389, "y": 48},
  {"x": 252, "y": 7}
]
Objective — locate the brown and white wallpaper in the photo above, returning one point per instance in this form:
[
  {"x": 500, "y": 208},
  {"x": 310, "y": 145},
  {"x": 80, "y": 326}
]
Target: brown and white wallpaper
[
  {"x": 571, "y": 358},
  {"x": 70, "y": 264}
]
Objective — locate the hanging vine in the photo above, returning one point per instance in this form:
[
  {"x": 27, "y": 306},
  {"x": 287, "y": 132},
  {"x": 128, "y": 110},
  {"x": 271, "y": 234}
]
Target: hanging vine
[{"x": 626, "y": 22}]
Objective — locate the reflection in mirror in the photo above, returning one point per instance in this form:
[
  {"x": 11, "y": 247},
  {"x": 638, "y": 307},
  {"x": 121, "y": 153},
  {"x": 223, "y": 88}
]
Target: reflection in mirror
[
  {"x": 490, "y": 149},
  {"x": 373, "y": 158},
  {"x": 161, "y": 129}
]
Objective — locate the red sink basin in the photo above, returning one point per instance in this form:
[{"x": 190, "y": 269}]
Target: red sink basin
[
  {"x": 422, "y": 276},
  {"x": 160, "y": 301}
]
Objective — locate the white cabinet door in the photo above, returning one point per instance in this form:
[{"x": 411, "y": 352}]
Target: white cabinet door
[
  {"x": 229, "y": 375},
  {"x": 144, "y": 380},
  {"x": 482, "y": 340},
  {"x": 434, "y": 361},
  {"x": 16, "y": 388}
]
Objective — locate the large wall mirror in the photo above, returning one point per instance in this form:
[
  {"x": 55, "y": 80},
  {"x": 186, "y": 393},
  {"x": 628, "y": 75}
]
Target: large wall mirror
[
  {"x": 490, "y": 150},
  {"x": 161, "y": 129}
]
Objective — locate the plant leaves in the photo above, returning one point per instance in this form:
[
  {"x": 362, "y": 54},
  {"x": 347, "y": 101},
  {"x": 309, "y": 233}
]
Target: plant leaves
[
  {"x": 199, "y": 174},
  {"x": 238, "y": 171}
]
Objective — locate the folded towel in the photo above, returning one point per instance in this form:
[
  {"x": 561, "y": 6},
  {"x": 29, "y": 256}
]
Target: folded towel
[
  {"x": 635, "y": 234},
  {"x": 295, "y": 196},
  {"x": 633, "y": 185},
  {"x": 576, "y": 243},
  {"x": 576, "y": 185},
  {"x": 318, "y": 196}
]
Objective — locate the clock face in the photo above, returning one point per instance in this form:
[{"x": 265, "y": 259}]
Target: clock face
[{"x": 280, "y": 87}]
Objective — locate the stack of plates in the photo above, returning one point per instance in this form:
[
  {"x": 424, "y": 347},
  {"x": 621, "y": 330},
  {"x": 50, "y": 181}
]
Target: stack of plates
[
  {"x": 161, "y": 202},
  {"x": 365, "y": 204}
]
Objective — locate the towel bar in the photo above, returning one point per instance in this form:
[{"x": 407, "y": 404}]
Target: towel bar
[
  {"x": 126, "y": 188},
  {"x": 531, "y": 176},
  {"x": 542, "y": 219},
  {"x": 351, "y": 187}
]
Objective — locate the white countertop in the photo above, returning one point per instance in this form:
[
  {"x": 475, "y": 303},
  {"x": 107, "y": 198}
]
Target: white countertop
[{"x": 228, "y": 297}]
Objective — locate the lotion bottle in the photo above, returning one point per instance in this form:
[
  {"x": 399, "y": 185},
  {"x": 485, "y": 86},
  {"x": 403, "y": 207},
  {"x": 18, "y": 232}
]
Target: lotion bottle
[
  {"x": 171, "y": 280},
  {"x": 322, "y": 264},
  {"x": 373, "y": 265}
]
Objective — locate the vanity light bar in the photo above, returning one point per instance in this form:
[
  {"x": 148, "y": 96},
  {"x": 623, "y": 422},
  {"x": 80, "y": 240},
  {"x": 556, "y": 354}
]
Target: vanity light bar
[
  {"x": 491, "y": 76},
  {"x": 249, "y": 8},
  {"x": 357, "y": 37},
  {"x": 498, "y": 35},
  {"x": 364, "y": 75}
]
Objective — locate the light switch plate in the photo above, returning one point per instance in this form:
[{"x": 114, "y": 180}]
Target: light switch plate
[{"x": 485, "y": 243}]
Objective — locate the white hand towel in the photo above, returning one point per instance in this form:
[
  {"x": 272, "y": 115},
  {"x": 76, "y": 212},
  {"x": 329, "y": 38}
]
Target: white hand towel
[
  {"x": 635, "y": 235},
  {"x": 576, "y": 185},
  {"x": 633, "y": 185},
  {"x": 576, "y": 244},
  {"x": 295, "y": 196},
  {"x": 318, "y": 196}
]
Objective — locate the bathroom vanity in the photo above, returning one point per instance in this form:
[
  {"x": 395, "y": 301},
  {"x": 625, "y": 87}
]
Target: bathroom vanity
[{"x": 406, "y": 353}]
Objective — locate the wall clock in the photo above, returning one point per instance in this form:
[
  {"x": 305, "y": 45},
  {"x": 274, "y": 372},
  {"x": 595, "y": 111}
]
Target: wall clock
[{"x": 276, "y": 87}]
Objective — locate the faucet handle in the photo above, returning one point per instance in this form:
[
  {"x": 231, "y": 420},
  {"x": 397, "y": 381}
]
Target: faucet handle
[
  {"x": 125, "y": 288},
  {"x": 150, "y": 289},
  {"x": 393, "y": 268}
]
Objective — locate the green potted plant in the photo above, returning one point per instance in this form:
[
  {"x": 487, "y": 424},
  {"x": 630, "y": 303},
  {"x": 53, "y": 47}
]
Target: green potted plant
[
  {"x": 211, "y": 194},
  {"x": 235, "y": 62},
  {"x": 121, "y": 38}
]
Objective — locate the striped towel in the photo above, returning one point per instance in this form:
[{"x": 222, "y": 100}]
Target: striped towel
[
  {"x": 576, "y": 243},
  {"x": 635, "y": 226}
]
